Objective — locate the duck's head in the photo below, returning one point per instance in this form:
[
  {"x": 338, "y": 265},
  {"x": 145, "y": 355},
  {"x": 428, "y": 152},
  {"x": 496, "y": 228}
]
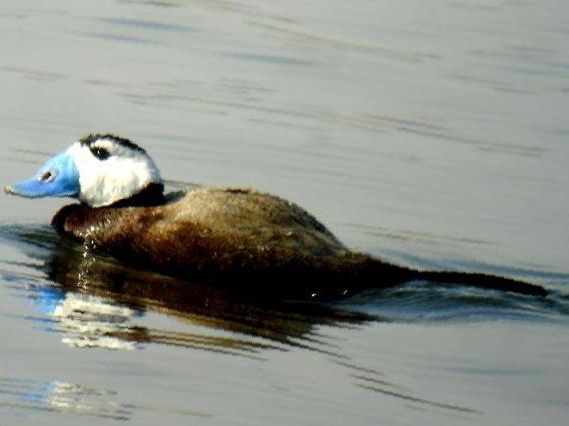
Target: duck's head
[{"x": 98, "y": 169}]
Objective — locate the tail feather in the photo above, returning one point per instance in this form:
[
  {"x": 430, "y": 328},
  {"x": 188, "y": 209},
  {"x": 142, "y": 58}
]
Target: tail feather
[
  {"x": 485, "y": 281},
  {"x": 382, "y": 274}
]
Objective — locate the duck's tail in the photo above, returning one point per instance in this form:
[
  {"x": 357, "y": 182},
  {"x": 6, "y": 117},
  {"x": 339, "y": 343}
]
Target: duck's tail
[
  {"x": 387, "y": 274},
  {"x": 485, "y": 281}
]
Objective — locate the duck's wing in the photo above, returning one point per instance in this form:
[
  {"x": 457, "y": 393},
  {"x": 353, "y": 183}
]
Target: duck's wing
[{"x": 243, "y": 209}]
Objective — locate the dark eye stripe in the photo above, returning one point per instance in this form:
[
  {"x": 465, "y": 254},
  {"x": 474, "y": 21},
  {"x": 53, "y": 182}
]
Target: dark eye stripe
[{"x": 100, "y": 153}]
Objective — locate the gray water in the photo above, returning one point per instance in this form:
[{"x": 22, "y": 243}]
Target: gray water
[{"x": 432, "y": 134}]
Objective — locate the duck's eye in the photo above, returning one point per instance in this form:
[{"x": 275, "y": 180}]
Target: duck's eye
[{"x": 100, "y": 153}]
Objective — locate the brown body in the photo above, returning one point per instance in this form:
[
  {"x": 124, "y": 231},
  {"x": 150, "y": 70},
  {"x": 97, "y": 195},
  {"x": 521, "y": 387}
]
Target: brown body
[{"x": 242, "y": 237}]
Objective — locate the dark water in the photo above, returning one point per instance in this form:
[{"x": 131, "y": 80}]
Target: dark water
[{"x": 433, "y": 135}]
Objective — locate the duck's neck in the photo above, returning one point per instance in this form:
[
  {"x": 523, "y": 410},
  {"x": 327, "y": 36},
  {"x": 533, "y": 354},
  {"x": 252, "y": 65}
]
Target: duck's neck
[
  {"x": 78, "y": 221},
  {"x": 151, "y": 195}
]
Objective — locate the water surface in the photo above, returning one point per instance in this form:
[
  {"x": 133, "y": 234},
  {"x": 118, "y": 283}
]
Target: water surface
[{"x": 432, "y": 135}]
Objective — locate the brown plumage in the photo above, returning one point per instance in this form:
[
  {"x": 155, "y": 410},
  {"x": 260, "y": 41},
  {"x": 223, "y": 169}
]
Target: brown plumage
[
  {"x": 218, "y": 233},
  {"x": 244, "y": 238}
]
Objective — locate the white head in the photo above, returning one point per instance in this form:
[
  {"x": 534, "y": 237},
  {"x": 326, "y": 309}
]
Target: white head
[
  {"x": 99, "y": 170},
  {"x": 111, "y": 169}
]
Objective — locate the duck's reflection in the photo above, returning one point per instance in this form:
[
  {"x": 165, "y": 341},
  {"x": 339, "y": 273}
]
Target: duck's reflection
[
  {"x": 40, "y": 396},
  {"x": 88, "y": 320},
  {"x": 95, "y": 301},
  {"x": 53, "y": 395}
]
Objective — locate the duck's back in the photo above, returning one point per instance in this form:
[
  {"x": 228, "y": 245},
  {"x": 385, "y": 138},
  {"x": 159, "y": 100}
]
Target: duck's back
[
  {"x": 254, "y": 216},
  {"x": 245, "y": 227}
]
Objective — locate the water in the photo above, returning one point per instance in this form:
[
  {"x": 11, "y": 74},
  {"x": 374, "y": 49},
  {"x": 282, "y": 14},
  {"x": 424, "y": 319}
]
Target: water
[{"x": 432, "y": 135}]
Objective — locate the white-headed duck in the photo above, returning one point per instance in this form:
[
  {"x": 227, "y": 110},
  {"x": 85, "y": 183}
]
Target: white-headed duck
[{"x": 238, "y": 236}]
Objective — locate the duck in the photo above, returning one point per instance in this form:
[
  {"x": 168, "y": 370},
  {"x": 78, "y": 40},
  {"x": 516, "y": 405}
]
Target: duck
[{"x": 240, "y": 237}]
